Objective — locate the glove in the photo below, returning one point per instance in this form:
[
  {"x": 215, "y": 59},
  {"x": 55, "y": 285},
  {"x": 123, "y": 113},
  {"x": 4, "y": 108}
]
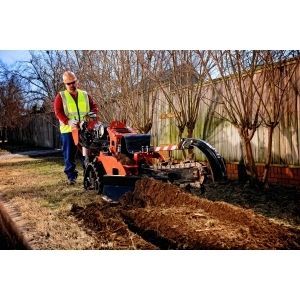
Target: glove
[
  {"x": 72, "y": 123},
  {"x": 92, "y": 114}
]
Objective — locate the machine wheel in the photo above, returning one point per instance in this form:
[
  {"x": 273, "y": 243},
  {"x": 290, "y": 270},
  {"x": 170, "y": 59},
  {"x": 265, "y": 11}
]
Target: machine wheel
[{"x": 93, "y": 177}]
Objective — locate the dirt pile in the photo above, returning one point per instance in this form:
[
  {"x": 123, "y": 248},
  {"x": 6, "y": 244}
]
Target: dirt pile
[
  {"x": 105, "y": 220},
  {"x": 159, "y": 215},
  {"x": 275, "y": 201}
]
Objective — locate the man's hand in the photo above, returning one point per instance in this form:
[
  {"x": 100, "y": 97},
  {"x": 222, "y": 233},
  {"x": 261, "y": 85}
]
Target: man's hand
[{"x": 72, "y": 123}]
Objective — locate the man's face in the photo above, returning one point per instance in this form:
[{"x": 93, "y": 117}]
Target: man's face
[{"x": 71, "y": 83}]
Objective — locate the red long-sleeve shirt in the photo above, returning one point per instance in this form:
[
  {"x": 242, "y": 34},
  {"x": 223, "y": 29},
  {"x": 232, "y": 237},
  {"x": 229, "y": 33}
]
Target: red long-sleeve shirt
[{"x": 59, "y": 108}]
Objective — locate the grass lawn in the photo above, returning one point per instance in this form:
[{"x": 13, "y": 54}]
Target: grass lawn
[{"x": 37, "y": 191}]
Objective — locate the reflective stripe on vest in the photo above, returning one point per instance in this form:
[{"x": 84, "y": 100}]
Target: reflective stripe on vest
[{"x": 73, "y": 111}]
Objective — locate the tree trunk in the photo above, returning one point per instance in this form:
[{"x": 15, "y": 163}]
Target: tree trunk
[
  {"x": 180, "y": 132},
  {"x": 190, "y": 131},
  {"x": 249, "y": 160},
  {"x": 4, "y": 134},
  {"x": 269, "y": 153}
]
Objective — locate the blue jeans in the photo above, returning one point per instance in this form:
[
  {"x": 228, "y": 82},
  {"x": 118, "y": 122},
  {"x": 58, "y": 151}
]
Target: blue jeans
[{"x": 69, "y": 153}]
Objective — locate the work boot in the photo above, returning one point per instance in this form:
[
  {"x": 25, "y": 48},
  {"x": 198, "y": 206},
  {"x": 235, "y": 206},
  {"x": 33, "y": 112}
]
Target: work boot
[{"x": 71, "y": 182}]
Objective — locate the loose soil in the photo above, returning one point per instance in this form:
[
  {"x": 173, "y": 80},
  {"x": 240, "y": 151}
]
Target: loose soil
[
  {"x": 171, "y": 218},
  {"x": 228, "y": 215}
]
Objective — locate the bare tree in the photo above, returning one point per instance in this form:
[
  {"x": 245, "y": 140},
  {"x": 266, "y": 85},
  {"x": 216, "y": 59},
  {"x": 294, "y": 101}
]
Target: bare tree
[
  {"x": 118, "y": 81},
  {"x": 12, "y": 111},
  {"x": 129, "y": 82},
  {"x": 279, "y": 68},
  {"x": 135, "y": 88},
  {"x": 179, "y": 75},
  {"x": 41, "y": 78},
  {"x": 239, "y": 89}
]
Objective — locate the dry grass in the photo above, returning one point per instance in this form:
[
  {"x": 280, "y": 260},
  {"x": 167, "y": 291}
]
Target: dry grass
[{"x": 41, "y": 201}]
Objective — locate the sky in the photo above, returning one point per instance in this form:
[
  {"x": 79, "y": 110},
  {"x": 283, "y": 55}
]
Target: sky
[{"x": 10, "y": 56}]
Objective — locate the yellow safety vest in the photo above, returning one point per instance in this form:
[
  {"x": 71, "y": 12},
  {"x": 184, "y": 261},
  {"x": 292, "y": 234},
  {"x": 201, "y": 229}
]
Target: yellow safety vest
[{"x": 73, "y": 111}]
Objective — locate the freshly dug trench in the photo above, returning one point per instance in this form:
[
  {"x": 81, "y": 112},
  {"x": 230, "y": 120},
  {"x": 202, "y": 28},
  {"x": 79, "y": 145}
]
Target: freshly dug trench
[
  {"x": 189, "y": 222},
  {"x": 108, "y": 226},
  {"x": 160, "y": 215}
]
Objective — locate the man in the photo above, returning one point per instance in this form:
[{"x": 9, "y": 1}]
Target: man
[{"x": 70, "y": 106}]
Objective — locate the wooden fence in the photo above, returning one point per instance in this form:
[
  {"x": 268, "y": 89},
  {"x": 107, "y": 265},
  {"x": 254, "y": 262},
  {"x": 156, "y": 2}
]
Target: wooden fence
[{"x": 41, "y": 130}]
